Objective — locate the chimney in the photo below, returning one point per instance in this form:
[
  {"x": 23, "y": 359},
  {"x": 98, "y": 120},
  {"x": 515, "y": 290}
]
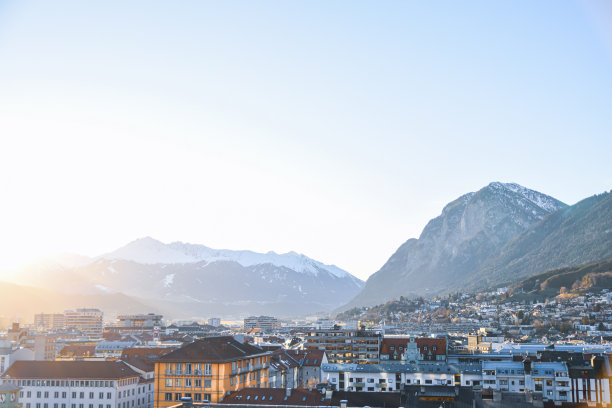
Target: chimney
[
  {"x": 343, "y": 403},
  {"x": 288, "y": 392}
]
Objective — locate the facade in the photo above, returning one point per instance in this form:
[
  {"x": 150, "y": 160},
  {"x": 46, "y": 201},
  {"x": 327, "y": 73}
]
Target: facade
[
  {"x": 49, "y": 321},
  {"x": 214, "y": 322},
  {"x": 87, "y": 321},
  {"x": 391, "y": 377},
  {"x": 346, "y": 346},
  {"x": 207, "y": 369},
  {"x": 263, "y": 323},
  {"x": 140, "y": 320},
  {"x": 78, "y": 384},
  {"x": 9, "y": 396},
  {"x": 413, "y": 349}
]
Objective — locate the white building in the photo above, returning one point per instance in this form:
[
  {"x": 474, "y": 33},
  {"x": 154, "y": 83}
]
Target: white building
[
  {"x": 87, "y": 321},
  {"x": 390, "y": 376},
  {"x": 79, "y": 384},
  {"x": 214, "y": 322}
]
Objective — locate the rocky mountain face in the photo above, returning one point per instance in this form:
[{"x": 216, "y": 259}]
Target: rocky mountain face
[
  {"x": 454, "y": 246},
  {"x": 572, "y": 236},
  {"x": 187, "y": 280}
]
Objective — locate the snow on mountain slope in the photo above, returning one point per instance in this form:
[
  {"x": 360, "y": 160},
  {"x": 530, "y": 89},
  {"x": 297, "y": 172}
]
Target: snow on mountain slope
[
  {"x": 151, "y": 251},
  {"x": 545, "y": 202}
]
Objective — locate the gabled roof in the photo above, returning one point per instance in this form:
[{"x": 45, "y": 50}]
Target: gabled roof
[
  {"x": 144, "y": 358},
  {"x": 213, "y": 350},
  {"x": 88, "y": 370}
]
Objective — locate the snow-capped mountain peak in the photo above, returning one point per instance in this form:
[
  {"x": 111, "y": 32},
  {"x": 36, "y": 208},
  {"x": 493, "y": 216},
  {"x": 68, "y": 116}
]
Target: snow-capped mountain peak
[
  {"x": 543, "y": 201},
  {"x": 151, "y": 251}
]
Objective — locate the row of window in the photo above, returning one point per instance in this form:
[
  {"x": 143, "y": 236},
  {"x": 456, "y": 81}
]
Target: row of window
[
  {"x": 188, "y": 369},
  {"x": 187, "y": 382},
  {"x": 56, "y": 405},
  {"x": 64, "y": 394},
  {"x": 236, "y": 379},
  {"x": 66, "y": 383},
  {"x": 80, "y": 395},
  {"x": 197, "y": 397}
]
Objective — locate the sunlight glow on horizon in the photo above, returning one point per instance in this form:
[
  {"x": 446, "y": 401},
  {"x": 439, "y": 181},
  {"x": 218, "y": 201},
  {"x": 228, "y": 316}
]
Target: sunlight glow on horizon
[{"x": 333, "y": 130}]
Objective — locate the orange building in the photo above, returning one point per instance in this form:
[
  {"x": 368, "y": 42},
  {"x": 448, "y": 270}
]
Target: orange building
[{"x": 207, "y": 369}]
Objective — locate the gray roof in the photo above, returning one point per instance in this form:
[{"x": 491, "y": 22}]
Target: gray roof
[{"x": 453, "y": 368}]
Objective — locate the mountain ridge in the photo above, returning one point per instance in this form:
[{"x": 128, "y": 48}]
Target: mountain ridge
[{"x": 469, "y": 230}]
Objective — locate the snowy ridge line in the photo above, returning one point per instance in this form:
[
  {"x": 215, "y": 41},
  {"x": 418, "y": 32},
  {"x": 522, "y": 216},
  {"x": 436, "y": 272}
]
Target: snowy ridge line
[{"x": 151, "y": 251}]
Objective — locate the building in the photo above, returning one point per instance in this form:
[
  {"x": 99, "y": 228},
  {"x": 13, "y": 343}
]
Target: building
[
  {"x": 207, "y": 369},
  {"x": 413, "y": 349},
  {"x": 9, "y": 396},
  {"x": 87, "y": 321},
  {"x": 214, "y": 322},
  {"x": 263, "y": 323},
  {"x": 346, "y": 346},
  {"x": 391, "y": 377},
  {"x": 49, "y": 321},
  {"x": 78, "y": 384},
  {"x": 140, "y": 320}
]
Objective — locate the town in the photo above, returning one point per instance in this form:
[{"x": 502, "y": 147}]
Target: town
[{"x": 463, "y": 350}]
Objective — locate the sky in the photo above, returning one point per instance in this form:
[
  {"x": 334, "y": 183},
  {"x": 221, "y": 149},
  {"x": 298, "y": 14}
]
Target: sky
[{"x": 333, "y": 129}]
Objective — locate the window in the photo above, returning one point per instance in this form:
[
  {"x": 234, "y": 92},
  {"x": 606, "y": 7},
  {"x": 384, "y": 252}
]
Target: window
[
  {"x": 187, "y": 382},
  {"x": 197, "y": 397},
  {"x": 177, "y": 396},
  {"x": 198, "y": 383},
  {"x": 188, "y": 369},
  {"x": 428, "y": 381},
  {"x": 108, "y": 395},
  {"x": 101, "y": 396},
  {"x": 177, "y": 382},
  {"x": 207, "y": 369},
  {"x": 207, "y": 383},
  {"x": 370, "y": 380},
  {"x": 168, "y": 396},
  {"x": 91, "y": 396},
  {"x": 206, "y": 397}
]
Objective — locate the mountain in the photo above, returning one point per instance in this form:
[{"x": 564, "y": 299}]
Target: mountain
[
  {"x": 188, "y": 280},
  {"x": 18, "y": 301},
  {"x": 575, "y": 280},
  {"x": 150, "y": 251},
  {"x": 572, "y": 236},
  {"x": 455, "y": 245}
]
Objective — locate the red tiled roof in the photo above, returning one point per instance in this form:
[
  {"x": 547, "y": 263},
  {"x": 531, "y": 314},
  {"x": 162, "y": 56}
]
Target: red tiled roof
[{"x": 390, "y": 345}]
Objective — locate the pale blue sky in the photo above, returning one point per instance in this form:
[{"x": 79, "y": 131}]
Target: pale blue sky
[{"x": 333, "y": 128}]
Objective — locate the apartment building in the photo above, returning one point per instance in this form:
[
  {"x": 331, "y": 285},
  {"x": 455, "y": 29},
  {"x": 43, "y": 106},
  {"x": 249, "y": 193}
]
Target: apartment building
[
  {"x": 207, "y": 369},
  {"x": 346, "y": 346},
  {"x": 90, "y": 322},
  {"x": 49, "y": 321},
  {"x": 391, "y": 377},
  {"x": 263, "y": 323},
  {"x": 79, "y": 384},
  {"x": 140, "y": 320},
  {"x": 413, "y": 349}
]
